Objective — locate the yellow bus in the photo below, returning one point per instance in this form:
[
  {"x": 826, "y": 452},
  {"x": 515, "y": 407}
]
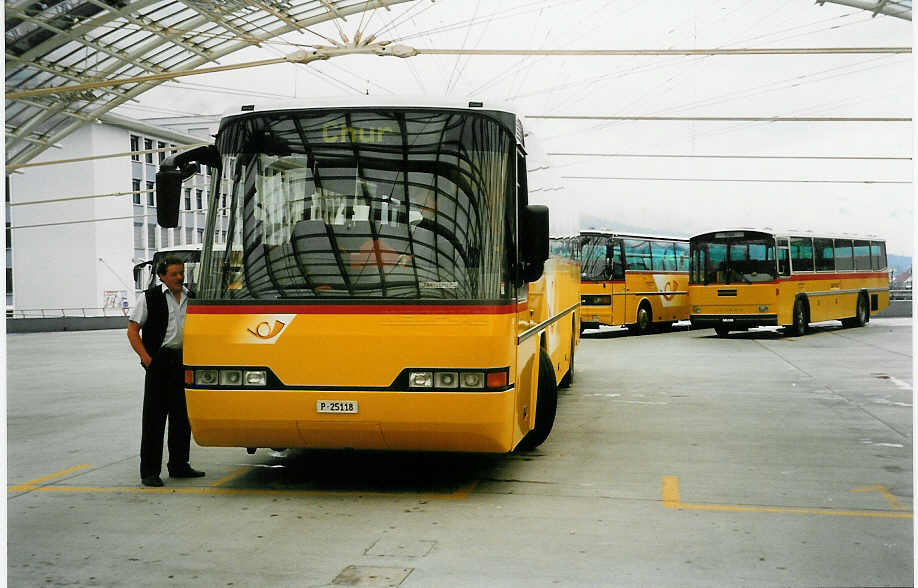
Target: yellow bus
[
  {"x": 393, "y": 289},
  {"x": 637, "y": 281},
  {"x": 748, "y": 278}
]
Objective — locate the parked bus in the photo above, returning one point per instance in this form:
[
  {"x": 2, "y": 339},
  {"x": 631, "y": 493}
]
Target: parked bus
[
  {"x": 145, "y": 272},
  {"x": 637, "y": 281},
  {"x": 748, "y": 278},
  {"x": 395, "y": 291}
]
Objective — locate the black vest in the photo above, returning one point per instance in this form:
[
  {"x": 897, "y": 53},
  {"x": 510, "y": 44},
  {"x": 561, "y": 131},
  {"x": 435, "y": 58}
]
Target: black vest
[{"x": 154, "y": 330}]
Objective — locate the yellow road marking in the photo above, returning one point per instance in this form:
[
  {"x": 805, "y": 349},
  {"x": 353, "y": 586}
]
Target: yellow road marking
[
  {"x": 890, "y": 499},
  {"x": 30, "y": 485},
  {"x": 232, "y": 475},
  {"x": 212, "y": 490},
  {"x": 34, "y": 485},
  {"x": 671, "y": 499}
]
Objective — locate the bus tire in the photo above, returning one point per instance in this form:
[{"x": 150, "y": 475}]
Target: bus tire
[
  {"x": 644, "y": 322},
  {"x": 546, "y": 405},
  {"x": 863, "y": 313},
  {"x": 722, "y": 331},
  {"x": 798, "y": 328},
  {"x": 568, "y": 378}
]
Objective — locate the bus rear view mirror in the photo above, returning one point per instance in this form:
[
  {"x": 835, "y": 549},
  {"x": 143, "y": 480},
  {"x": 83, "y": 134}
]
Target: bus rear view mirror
[
  {"x": 172, "y": 172},
  {"x": 168, "y": 191},
  {"x": 534, "y": 242}
]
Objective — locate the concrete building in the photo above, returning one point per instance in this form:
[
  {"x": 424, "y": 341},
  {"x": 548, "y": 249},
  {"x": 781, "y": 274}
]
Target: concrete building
[{"x": 75, "y": 230}]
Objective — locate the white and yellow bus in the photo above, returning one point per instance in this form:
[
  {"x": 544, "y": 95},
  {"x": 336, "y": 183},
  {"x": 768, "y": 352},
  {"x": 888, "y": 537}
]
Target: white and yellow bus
[
  {"x": 394, "y": 289},
  {"x": 637, "y": 281},
  {"x": 748, "y": 278}
]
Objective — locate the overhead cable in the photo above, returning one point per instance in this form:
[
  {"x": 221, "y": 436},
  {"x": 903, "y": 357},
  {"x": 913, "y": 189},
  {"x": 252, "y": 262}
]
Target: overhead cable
[{"x": 386, "y": 49}]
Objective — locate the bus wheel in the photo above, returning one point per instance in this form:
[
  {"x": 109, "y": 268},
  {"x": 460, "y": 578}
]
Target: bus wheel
[
  {"x": 546, "y": 405},
  {"x": 862, "y": 316},
  {"x": 644, "y": 320},
  {"x": 721, "y": 331},
  {"x": 798, "y": 329},
  {"x": 568, "y": 378}
]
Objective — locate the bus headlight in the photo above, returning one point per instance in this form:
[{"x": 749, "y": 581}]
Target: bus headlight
[
  {"x": 447, "y": 380},
  {"x": 453, "y": 379},
  {"x": 205, "y": 377},
  {"x": 696, "y": 309},
  {"x": 473, "y": 380},
  {"x": 763, "y": 308},
  {"x": 230, "y": 377},
  {"x": 420, "y": 380},
  {"x": 255, "y": 378}
]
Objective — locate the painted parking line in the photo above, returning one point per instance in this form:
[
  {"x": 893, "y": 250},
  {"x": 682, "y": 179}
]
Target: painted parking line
[
  {"x": 672, "y": 499},
  {"x": 35, "y": 485}
]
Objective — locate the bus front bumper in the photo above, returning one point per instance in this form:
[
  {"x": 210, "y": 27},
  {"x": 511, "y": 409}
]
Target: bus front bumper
[
  {"x": 733, "y": 321},
  {"x": 411, "y": 421}
]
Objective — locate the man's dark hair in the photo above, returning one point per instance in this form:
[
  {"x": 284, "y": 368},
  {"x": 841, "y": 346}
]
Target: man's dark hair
[{"x": 163, "y": 266}]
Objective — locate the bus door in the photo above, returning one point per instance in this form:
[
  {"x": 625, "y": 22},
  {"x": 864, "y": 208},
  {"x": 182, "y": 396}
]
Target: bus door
[
  {"x": 638, "y": 272},
  {"x": 619, "y": 297}
]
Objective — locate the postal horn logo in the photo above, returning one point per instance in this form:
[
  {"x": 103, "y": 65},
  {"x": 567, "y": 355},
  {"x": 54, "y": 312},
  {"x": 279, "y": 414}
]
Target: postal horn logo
[{"x": 265, "y": 330}]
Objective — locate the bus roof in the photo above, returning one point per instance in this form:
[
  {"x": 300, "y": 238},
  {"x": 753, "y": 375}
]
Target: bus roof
[
  {"x": 791, "y": 233},
  {"x": 361, "y": 101},
  {"x": 631, "y": 235}
]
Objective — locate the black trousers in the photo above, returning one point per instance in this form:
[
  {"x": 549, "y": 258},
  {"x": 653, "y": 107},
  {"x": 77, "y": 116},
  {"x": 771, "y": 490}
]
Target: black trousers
[{"x": 164, "y": 398}]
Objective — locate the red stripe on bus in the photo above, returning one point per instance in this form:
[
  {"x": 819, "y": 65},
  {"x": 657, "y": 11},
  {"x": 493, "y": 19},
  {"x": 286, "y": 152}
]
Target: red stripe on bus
[{"x": 352, "y": 309}]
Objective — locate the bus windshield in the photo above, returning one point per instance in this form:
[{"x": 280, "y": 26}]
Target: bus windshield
[
  {"x": 598, "y": 259},
  {"x": 733, "y": 257},
  {"x": 365, "y": 204}
]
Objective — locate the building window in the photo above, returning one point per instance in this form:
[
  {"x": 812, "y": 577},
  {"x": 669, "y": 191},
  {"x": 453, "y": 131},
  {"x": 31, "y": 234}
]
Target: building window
[
  {"x": 151, "y": 238},
  {"x": 138, "y": 235},
  {"x": 151, "y": 194},
  {"x": 187, "y": 198},
  {"x": 162, "y": 154},
  {"x": 199, "y": 199},
  {"x": 148, "y": 145},
  {"x": 164, "y": 242},
  {"x": 135, "y": 186},
  {"x": 200, "y": 235},
  {"x": 189, "y": 235},
  {"x": 135, "y": 146}
]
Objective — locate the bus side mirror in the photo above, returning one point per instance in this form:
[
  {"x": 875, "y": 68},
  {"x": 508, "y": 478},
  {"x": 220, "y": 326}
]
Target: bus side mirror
[
  {"x": 534, "y": 242},
  {"x": 172, "y": 172}
]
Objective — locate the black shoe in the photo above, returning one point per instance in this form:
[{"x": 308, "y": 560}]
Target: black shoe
[
  {"x": 154, "y": 481},
  {"x": 185, "y": 472}
]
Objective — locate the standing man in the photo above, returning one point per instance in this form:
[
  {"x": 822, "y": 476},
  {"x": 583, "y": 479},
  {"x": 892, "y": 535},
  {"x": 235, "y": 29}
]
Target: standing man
[{"x": 155, "y": 331}]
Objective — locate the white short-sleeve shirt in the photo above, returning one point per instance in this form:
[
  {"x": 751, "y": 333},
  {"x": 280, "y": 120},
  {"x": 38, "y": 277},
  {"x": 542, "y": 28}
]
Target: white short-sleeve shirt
[{"x": 175, "y": 327}]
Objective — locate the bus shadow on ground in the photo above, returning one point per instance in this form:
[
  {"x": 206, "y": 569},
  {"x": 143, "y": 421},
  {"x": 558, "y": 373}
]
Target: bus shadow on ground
[
  {"x": 773, "y": 333},
  {"x": 618, "y": 332},
  {"x": 351, "y": 471}
]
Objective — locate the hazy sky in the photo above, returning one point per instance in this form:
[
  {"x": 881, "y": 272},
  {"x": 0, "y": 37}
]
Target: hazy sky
[{"x": 769, "y": 85}]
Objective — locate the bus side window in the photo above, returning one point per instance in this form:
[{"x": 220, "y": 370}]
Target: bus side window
[
  {"x": 862, "y": 255},
  {"x": 878, "y": 255},
  {"x": 614, "y": 255},
  {"x": 844, "y": 256},
  {"x": 783, "y": 265},
  {"x": 801, "y": 254},
  {"x": 825, "y": 255}
]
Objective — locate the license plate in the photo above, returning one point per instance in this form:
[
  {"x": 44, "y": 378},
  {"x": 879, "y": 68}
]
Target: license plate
[
  {"x": 727, "y": 320},
  {"x": 337, "y": 406}
]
